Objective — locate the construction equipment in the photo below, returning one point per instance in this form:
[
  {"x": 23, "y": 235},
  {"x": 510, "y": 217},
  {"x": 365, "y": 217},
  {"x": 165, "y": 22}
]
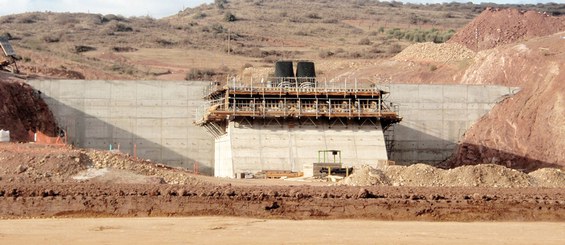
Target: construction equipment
[
  {"x": 331, "y": 165},
  {"x": 9, "y": 58}
]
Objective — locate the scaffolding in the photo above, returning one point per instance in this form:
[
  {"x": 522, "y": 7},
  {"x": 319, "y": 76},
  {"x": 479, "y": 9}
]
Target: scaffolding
[{"x": 295, "y": 99}]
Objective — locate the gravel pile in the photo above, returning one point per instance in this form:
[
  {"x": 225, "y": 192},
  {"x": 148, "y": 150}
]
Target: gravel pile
[
  {"x": 170, "y": 175},
  {"x": 483, "y": 175},
  {"x": 432, "y": 52}
]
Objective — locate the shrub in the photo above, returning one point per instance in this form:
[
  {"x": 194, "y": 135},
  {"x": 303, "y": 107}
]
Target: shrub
[
  {"x": 120, "y": 27},
  {"x": 220, "y": 3},
  {"x": 51, "y": 38},
  {"x": 83, "y": 48},
  {"x": 111, "y": 17},
  {"x": 164, "y": 42},
  {"x": 229, "y": 17},
  {"x": 325, "y": 53},
  {"x": 217, "y": 28},
  {"x": 246, "y": 65},
  {"x": 6, "y": 35},
  {"x": 365, "y": 41},
  {"x": 395, "y": 49},
  {"x": 200, "y": 74},
  {"x": 313, "y": 15},
  {"x": 199, "y": 15}
]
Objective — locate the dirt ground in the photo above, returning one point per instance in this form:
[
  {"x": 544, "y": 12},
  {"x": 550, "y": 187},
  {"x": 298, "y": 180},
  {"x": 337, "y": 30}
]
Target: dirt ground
[
  {"x": 228, "y": 230},
  {"x": 38, "y": 181}
]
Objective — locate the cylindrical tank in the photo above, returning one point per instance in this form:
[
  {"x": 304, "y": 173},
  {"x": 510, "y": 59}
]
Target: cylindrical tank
[
  {"x": 283, "y": 69},
  {"x": 306, "y": 73}
]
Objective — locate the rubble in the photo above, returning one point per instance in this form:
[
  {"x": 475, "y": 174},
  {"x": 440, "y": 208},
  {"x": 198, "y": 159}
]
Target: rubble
[
  {"x": 433, "y": 52},
  {"x": 482, "y": 175}
]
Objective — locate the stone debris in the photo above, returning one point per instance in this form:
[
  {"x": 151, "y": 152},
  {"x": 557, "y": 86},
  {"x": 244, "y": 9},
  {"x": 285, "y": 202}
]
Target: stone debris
[
  {"x": 433, "y": 52},
  {"x": 483, "y": 175}
]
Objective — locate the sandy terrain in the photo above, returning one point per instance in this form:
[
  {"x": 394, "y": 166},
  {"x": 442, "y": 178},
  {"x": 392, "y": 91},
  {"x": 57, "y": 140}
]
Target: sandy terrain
[{"x": 228, "y": 230}]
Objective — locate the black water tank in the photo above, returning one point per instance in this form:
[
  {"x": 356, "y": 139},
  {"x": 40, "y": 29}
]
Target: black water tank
[
  {"x": 305, "y": 72},
  {"x": 284, "y": 69},
  {"x": 305, "y": 69}
]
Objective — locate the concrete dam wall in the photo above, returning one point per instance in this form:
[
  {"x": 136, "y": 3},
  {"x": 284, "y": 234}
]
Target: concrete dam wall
[{"x": 157, "y": 117}]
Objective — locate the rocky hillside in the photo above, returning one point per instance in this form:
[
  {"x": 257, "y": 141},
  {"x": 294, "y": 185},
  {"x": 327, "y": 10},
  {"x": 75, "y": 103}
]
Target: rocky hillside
[
  {"x": 527, "y": 130},
  {"x": 495, "y": 27},
  {"x": 22, "y": 109}
]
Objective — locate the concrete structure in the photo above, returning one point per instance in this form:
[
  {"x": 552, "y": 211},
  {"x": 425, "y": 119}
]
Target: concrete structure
[
  {"x": 252, "y": 147},
  {"x": 281, "y": 125},
  {"x": 435, "y": 117},
  {"x": 158, "y": 116},
  {"x": 155, "y": 116}
]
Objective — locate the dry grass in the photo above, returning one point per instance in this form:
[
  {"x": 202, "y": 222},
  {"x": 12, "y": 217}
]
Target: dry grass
[{"x": 260, "y": 32}]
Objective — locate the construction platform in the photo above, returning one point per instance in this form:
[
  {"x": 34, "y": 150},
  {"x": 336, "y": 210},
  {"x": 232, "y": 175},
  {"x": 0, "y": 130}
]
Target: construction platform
[{"x": 343, "y": 101}]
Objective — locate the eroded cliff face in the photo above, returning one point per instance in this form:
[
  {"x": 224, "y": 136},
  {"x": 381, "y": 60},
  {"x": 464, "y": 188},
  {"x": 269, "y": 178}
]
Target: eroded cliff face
[
  {"x": 22, "y": 109},
  {"x": 527, "y": 130}
]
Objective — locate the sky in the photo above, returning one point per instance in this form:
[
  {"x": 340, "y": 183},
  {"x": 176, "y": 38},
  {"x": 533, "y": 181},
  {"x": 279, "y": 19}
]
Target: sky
[{"x": 156, "y": 8}]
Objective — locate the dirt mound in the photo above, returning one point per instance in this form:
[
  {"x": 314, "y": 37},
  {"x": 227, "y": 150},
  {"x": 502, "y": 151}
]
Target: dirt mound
[
  {"x": 103, "y": 159},
  {"x": 496, "y": 27},
  {"x": 366, "y": 176},
  {"x": 33, "y": 163},
  {"x": 549, "y": 177},
  {"x": 22, "y": 109},
  {"x": 432, "y": 52},
  {"x": 483, "y": 175}
]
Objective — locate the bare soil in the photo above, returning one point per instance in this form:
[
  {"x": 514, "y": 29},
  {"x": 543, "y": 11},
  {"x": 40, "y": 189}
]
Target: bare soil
[
  {"x": 45, "y": 181},
  {"x": 231, "y": 230}
]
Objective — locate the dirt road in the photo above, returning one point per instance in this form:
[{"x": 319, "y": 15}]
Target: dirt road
[{"x": 229, "y": 230}]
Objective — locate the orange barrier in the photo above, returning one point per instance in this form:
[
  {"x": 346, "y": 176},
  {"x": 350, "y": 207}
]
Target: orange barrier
[{"x": 40, "y": 138}]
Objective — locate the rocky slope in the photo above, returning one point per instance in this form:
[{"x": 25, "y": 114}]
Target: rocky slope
[
  {"x": 495, "y": 27},
  {"x": 22, "y": 109},
  {"x": 527, "y": 130}
]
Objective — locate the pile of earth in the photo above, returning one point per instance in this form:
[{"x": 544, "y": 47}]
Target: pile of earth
[
  {"x": 432, "y": 52},
  {"x": 22, "y": 109},
  {"x": 483, "y": 175},
  {"x": 33, "y": 164},
  {"x": 494, "y": 27}
]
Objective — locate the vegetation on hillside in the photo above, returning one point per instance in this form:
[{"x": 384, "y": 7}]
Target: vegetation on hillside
[{"x": 265, "y": 30}]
